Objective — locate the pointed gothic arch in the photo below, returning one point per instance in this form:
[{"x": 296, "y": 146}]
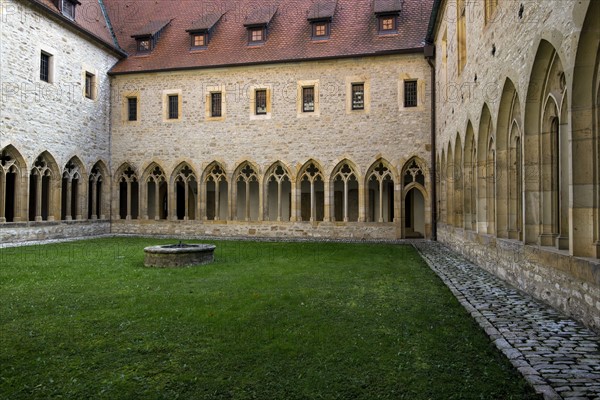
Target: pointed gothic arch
[
  {"x": 44, "y": 189},
  {"x": 73, "y": 193},
  {"x": 414, "y": 200},
  {"x": 183, "y": 197},
  {"x": 311, "y": 186},
  {"x": 458, "y": 183},
  {"x": 247, "y": 196},
  {"x": 216, "y": 192},
  {"x": 345, "y": 188},
  {"x": 486, "y": 182},
  {"x": 13, "y": 185},
  {"x": 156, "y": 194},
  {"x": 449, "y": 195},
  {"x": 278, "y": 193},
  {"x": 380, "y": 192},
  {"x": 471, "y": 173},
  {"x": 128, "y": 189},
  {"x": 98, "y": 199}
]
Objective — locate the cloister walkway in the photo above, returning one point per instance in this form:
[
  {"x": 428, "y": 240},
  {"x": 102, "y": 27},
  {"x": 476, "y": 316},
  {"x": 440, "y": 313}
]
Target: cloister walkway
[{"x": 557, "y": 355}]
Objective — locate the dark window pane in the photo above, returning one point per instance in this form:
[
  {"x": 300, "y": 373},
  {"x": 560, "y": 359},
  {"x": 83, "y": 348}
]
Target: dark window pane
[
  {"x": 358, "y": 96},
  {"x": 173, "y": 107},
  {"x": 68, "y": 8},
  {"x": 410, "y": 93},
  {"x": 88, "y": 85},
  {"x": 144, "y": 45},
  {"x": 45, "y": 68},
  {"x": 261, "y": 102},
  {"x": 132, "y": 108},
  {"x": 215, "y": 104},
  {"x": 308, "y": 99}
]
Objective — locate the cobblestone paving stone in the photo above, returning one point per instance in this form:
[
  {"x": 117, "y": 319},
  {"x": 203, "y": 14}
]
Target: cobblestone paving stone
[{"x": 557, "y": 355}]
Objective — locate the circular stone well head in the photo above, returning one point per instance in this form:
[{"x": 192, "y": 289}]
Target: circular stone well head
[{"x": 179, "y": 255}]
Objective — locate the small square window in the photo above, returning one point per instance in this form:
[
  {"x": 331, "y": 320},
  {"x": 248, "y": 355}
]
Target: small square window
[
  {"x": 358, "y": 96},
  {"x": 308, "y": 99},
  {"x": 45, "y": 67},
  {"x": 387, "y": 23},
  {"x": 410, "y": 93},
  {"x": 173, "y": 106},
  {"x": 320, "y": 30},
  {"x": 144, "y": 45},
  {"x": 260, "y": 99},
  {"x": 256, "y": 35},
  {"x": 132, "y": 112},
  {"x": 68, "y": 9},
  {"x": 199, "y": 40},
  {"x": 216, "y": 108},
  {"x": 89, "y": 85}
]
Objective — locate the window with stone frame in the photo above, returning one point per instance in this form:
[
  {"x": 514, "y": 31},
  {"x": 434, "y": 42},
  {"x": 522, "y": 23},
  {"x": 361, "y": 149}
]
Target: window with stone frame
[
  {"x": 173, "y": 106},
  {"x": 216, "y": 104},
  {"x": 68, "y": 8},
  {"x": 410, "y": 93},
  {"x": 308, "y": 99},
  {"x": 132, "y": 109},
  {"x": 260, "y": 102},
  {"x": 90, "y": 83},
  {"x": 358, "y": 96}
]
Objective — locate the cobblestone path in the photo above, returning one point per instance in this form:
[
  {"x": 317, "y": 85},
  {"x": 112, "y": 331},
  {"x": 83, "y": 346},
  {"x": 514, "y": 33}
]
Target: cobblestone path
[{"x": 557, "y": 355}]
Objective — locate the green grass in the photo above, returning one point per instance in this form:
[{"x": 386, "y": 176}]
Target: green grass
[{"x": 265, "y": 321}]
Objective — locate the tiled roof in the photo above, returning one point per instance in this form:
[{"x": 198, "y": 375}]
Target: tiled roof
[
  {"x": 206, "y": 22},
  {"x": 150, "y": 29},
  {"x": 322, "y": 9},
  {"x": 353, "y": 32},
  {"x": 88, "y": 16}
]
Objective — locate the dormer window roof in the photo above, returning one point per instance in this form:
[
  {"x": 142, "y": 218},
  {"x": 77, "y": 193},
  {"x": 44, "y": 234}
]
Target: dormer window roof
[
  {"x": 200, "y": 30},
  {"x": 67, "y": 8},
  {"x": 387, "y": 7},
  {"x": 322, "y": 10},
  {"x": 147, "y": 36},
  {"x": 257, "y": 23}
]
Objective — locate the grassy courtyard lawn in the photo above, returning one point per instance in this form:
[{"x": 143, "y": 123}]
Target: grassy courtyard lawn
[{"x": 265, "y": 321}]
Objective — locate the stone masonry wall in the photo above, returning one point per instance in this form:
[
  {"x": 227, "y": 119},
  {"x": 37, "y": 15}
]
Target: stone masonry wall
[{"x": 36, "y": 116}]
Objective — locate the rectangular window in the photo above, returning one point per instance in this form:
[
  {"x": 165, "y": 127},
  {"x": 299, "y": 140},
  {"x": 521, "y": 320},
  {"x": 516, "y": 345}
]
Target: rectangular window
[
  {"x": 45, "y": 67},
  {"x": 320, "y": 30},
  {"x": 256, "y": 35},
  {"x": 144, "y": 45},
  {"x": 89, "y": 85},
  {"x": 308, "y": 99},
  {"x": 215, "y": 104},
  {"x": 199, "y": 40},
  {"x": 68, "y": 9},
  {"x": 387, "y": 24},
  {"x": 260, "y": 98},
  {"x": 173, "y": 106},
  {"x": 410, "y": 93},
  {"x": 358, "y": 96},
  {"x": 132, "y": 114}
]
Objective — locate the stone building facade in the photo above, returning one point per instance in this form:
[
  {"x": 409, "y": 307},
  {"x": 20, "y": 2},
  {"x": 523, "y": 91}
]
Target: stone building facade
[{"x": 518, "y": 146}]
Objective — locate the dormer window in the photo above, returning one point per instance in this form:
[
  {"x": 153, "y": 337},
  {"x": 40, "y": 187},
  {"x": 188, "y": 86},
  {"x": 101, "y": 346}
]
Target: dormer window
[
  {"x": 147, "y": 37},
  {"x": 68, "y": 8},
  {"x": 387, "y": 24},
  {"x": 199, "y": 40},
  {"x": 387, "y": 12},
  {"x": 257, "y": 23},
  {"x": 320, "y": 16},
  {"x": 256, "y": 35},
  {"x": 200, "y": 31},
  {"x": 144, "y": 45}
]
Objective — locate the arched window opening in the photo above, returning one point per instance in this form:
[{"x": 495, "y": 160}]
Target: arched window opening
[
  {"x": 312, "y": 197},
  {"x": 186, "y": 193},
  {"x": 95, "y": 197},
  {"x": 157, "y": 195},
  {"x": 248, "y": 194},
  {"x": 414, "y": 214},
  {"x": 279, "y": 194},
  {"x": 490, "y": 185},
  {"x": 345, "y": 193},
  {"x": 216, "y": 193},
  {"x": 128, "y": 194},
  {"x": 40, "y": 191},
  {"x": 70, "y": 201},
  {"x": 10, "y": 177},
  {"x": 380, "y": 193},
  {"x": 515, "y": 216}
]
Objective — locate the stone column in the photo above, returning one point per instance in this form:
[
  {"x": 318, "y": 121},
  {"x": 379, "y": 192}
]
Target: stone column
[
  {"x": 279, "y": 205},
  {"x": 327, "y": 201},
  {"x": 156, "y": 201},
  {"x": 128, "y": 217},
  {"x": 313, "y": 209},
  {"x": 94, "y": 200},
  {"x": 68, "y": 198},
  {"x": 217, "y": 200},
  {"x": 381, "y": 201},
  {"x": 346, "y": 201},
  {"x": 361, "y": 202},
  {"x": 2, "y": 197},
  {"x": 247, "y": 211},
  {"x": 187, "y": 201}
]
